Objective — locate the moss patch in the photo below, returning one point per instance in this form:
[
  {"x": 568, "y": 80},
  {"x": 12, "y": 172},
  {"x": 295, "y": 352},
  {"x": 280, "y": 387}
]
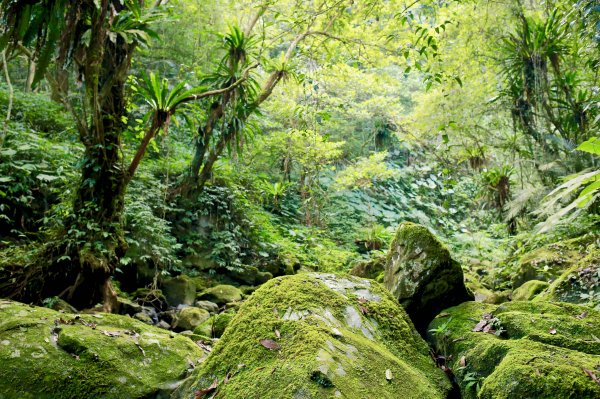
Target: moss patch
[
  {"x": 320, "y": 336},
  {"x": 540, "y": 351},
  {"x": 46, "y": 354},
  {"x": 529, "y": 290}
]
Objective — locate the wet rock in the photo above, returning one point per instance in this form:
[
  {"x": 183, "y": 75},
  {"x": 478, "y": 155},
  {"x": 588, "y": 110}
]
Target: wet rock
[{"x": 421, "y": 274}]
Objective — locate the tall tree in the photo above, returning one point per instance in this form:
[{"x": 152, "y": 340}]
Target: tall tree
[{"x": 95, "y": 40}]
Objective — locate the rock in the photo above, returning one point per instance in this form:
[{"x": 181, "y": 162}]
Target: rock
[
  {"x": 143, "y": 317},
  {"x": 46, "y": 354},
  {"x": 250, "y": 275},
  {"x": 579, "y": 284},
  {"x": 210, "y": 307},
  {"x": 190, "y": 318},
  {"x": 420, "y": 273},
  {"x": 63, "y": 306},
  {"x": 179, "y": 290},
  {"x": 127, "y": 307},
  {"x": 533, "y": 350},
  {"x": 215, "y": 325},
  {"x": 372, "y": 268},
  {"x": 320, "y": 336},
  {"x": 529, "y": 290},
  {"x": 169, "y": 316},
  {"x": 548, "y": 262},
  {"x": 163, "y": 324},
  {"x": 221, "y": 294}
]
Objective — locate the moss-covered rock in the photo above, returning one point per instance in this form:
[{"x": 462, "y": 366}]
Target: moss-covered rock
[
  {"x": 372, "y": 268},
  {"x": 180, "y": 290},
  {"x": 481, "y": 293},
  {"x": 209, "y": 306},
  {"x": 189, "y": 318},
  {"x": 529, "y": 290},
  {"x": 46, "y": 354},
  {"x": 250, "y": 275},
  {"x": 320, "y": 336},
  {"x": 548, "y": 262},
  {"x": 215, "y": 326},
  {"x": 530, "y": 350},
  {"x": 221, "y": 294},
  {"x": 579, "y": 284},
  {"x": 422, "y": 275},
  {"x": 60, "y": 305}
]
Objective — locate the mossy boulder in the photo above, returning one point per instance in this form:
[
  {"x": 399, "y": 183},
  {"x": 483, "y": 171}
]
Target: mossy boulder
[
  {"x": 579, "y": 284},
  {"x": 189, "y": 318},
  {"x": 422, "y": 275},
  {"x": 521, "y": 349},
  {"x": 372, "y": 268},
  {"x": 47, "y": 354},
  {"x": 320, "y": 336},
  {"x": 221, "y": 294},
  {"x": 529, "y": 290},
  {"x": 215, "y": 326},
  {"x": 250, "y": 275},
  {"x": 209, "y": 306},
  {"x": 60, "y": 305},
  {"x": 180, "y": 290},
  {"x": 549, "y": 262}
]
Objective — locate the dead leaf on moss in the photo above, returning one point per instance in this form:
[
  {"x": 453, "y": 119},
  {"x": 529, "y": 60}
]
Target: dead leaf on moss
[
  {"x": 581, "y": 316},
  {"x": 201, "y": 393},
  {"x": 462, "y": 362},
  {"x": 270, "y": 344},
  {"x": 593, "y": 376}
]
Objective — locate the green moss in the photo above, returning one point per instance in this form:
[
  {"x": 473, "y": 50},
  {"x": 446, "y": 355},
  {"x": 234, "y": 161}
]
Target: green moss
[
  {"x": 541, "y": 352},
  {"x": 46, "y": 354},
  {"x": 179, "y": 290},
  {"x": 221, "y": 294},
  {"x": 215, "y": 326},
  {"x": 369, "y": 268},
  {"x": 579, "y": 284},
  {"x": 529, "y": 290},
  {"x": 189, "y": 318},
  {"x": 549, "y": 262},
  {"x": 332, "y": 335}
]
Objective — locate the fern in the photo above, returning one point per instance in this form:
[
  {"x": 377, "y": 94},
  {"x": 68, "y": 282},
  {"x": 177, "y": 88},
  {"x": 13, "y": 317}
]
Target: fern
[{"x": 587, "y": 183}]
